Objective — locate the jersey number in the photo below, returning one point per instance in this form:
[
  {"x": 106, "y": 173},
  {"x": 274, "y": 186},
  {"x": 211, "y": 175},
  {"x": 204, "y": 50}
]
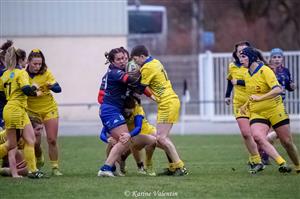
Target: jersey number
[
  {"x": 165, "y": 74},
  {"x": 8, "y": 87}
]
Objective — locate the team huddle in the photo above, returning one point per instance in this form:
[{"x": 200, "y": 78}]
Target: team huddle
[
  {"x": 27, "y": 107},
  {"x": 259, "y": 91}
]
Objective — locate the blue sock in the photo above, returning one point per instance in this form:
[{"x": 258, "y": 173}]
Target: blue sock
[{"x": 106, "y": 168}]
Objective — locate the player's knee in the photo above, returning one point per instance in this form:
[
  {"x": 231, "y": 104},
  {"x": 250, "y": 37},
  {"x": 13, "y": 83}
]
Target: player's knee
[
  {"x": 162, "y": 140},
  {"x": 152, "y": 140},
  {"x": 247, "y": 135},
  {"x": 246, "y": 132},
  {"x": 258, "y": 138},
  {"x": 51, "y": 141}
]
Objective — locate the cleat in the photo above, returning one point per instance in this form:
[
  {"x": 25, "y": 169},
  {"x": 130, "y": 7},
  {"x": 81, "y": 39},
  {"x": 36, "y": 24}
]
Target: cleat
[
  {"x": 166, "y": 172},
  {"x": 36, "y": 175},
  {"x": 142, "y": 171},
  {"x": 150, "y": 171},
  {"x": 181, "y": 172},
  {"x": 284, "y": 168},
  {"x": 118, "y": 173},
  {"x": 255, "y": 168},
  {"x": 105, "y": 174},
  {"x": 56, "y": 172}
]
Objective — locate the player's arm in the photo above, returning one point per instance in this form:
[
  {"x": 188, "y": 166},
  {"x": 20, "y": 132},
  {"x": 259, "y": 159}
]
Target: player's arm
[
  {"x": 132, "y": 78},
  {"x": 276, "y": 90},
  {"x": 101, "y": 94},
  {"x": 228, "y": 89},
  {"x": 272, "y": 82},
  {"x": 55, "y": 87},
  {"x": 143, "y": 89},
  {"x": 138, "y": 121},
  {"x": 290, "y": 85},
  {"x": 30, "y": 90},
  {"x": 52, "y": 83},
  {"x": 229, "y": 86}
]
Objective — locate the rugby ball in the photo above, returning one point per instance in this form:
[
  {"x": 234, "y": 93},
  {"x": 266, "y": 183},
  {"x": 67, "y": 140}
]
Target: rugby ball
[{"x": 132, "y": 67}]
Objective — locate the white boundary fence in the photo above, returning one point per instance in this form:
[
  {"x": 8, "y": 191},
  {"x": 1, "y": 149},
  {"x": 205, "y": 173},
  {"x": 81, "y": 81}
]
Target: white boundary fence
[{"x": 212, "y": 85}]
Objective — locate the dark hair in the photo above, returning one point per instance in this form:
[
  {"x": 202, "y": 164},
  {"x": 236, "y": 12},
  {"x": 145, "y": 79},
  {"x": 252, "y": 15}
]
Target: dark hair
[
  {"x": 234, "y": 53},
  {"x": 124, "y": 51},
  {"x": 111, "y": 55},
  {"x": 254, "y": 55},
  {"x": 139, "y": 50},
  {"x": 131, "y": 100},
  {"x": 37, "y": 53},
  {"x": 3, "y": 50},
  {"x": 21, "y": 54}
]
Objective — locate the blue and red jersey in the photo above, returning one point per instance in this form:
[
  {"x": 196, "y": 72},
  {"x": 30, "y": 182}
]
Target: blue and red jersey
[
  {"x": 284, "y": 78},
  {"x": 115, "y": 87}
]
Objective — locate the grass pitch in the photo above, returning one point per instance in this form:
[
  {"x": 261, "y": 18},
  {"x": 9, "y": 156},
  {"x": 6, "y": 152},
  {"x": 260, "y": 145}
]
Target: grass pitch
[{"x": 217, "y": 166}]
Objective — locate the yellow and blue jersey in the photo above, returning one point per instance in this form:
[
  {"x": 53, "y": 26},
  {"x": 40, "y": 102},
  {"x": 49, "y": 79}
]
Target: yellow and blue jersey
[
  {"x": 154, "y": 75},
  {"x": 260, "y": 82},
  {"x": 146, "y": 127},
  {"x": 3, "y": 136},
  {"x": 12, "y": 82},
  {"x": 46, "y": 101},
  {"x": 238, "y": 72}
]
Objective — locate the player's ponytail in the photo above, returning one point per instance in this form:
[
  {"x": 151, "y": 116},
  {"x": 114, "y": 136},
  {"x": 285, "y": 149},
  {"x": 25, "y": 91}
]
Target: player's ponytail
[
  {"x": 106, "y": 56},
  {"x": 3, "y": 50},
  {"x": 21, "y": 54},
  {"x": 10, "y": 58}
]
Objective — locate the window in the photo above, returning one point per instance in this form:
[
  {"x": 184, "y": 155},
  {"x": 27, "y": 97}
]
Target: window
[{"x": 145, "y": 22}]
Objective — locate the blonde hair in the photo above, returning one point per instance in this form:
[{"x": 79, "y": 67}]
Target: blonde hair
[
  {"x": 10, "y": 58},
  {"x": 35, "y": 121}
]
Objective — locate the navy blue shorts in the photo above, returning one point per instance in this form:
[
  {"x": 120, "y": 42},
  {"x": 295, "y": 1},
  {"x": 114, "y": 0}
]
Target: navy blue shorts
[{"x": 111, "y": 116}]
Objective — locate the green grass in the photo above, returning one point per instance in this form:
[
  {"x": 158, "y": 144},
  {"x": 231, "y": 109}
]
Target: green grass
[{"x": 217, "y": 166}]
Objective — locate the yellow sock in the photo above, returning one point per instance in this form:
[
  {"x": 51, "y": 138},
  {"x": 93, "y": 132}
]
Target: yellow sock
[
  {"x": 54, "y": 164},
  {"x": 279, "y": 160},
  {"x": 250, "y": 159},
  {"x": 255, "y": 159},
  {"x": 297, "y": 168},
  {"x": 179, "y": 164},
  {"x": 3, "y": 150},
  {"x": 29, "y": 157},
  {"x": 148, "y": 162},
  {"x": 172, "y": 166}
]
